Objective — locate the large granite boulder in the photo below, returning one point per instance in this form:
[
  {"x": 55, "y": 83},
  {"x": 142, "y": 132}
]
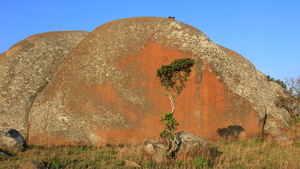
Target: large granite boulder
[
  {"x": 107, "y": 90},
  {"x": 26, "y": 68}
]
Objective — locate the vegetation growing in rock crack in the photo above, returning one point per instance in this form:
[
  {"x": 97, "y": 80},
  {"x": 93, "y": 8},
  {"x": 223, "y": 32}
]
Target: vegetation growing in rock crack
[
  {"x": 173, "y": 77},
  {"x": 278, "y": 81}
]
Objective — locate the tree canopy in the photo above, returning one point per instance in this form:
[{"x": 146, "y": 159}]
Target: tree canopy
[{"x": 174, "y": 77}]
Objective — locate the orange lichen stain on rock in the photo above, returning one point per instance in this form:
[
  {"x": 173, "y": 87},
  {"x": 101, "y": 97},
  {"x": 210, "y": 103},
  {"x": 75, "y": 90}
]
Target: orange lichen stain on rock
[
  {"x": 105, "y": 93},
  {"x": 214, "y": 94},
  {"x": 86, "y": 97},
  {"x": 252, "y": 127},
  {"x": 42, "y": 139},
  {"x": 153, "y": 56},
  {"x": 143, "y": 66},
  {"x": 200, "y": 106},
  {"x": 203, "y": 109},
  {"x": 149, "y": 129}
]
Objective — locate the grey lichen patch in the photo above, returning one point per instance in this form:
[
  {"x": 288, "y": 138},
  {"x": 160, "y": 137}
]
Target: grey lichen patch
[{"x": 30, "y": 66}]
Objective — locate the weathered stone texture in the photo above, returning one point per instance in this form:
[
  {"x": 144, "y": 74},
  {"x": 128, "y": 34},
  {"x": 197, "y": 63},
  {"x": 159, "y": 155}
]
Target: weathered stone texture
[
  {"x": 107, "y": 90},
  {"x": 190, "y": 147},
  {"x": 12, "y": 140},
  {"x": 26, "y": 68}
]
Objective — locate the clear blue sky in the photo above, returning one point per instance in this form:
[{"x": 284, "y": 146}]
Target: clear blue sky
[{"x": 266, "y": 32}]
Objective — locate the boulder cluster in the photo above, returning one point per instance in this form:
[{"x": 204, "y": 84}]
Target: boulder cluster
[{"x": 99, "y": 87}]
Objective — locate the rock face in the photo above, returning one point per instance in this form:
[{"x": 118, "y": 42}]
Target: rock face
[
  {"x": 26, "y": 68},
  {"x": 11, "y": 140},
  {"x": 107, "y": 90}
]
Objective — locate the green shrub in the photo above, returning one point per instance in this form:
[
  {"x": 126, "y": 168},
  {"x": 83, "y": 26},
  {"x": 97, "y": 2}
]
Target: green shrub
[
  {"x": 281, "y": 83},
  {"x": 55, "y": 163},
  {"x": 295, "y": 119},
  {"x": 69, "y": 152},
  {"x": 201, "y": 162},
  {"x": 111, "y": 152},
  {"x": 149, "y": 164},
  {"x": 179, "y": 163},
  {"x": 82, "y": 148},
  {"x": 258, "y": 140},
  {"x": 120, "y": 162}
]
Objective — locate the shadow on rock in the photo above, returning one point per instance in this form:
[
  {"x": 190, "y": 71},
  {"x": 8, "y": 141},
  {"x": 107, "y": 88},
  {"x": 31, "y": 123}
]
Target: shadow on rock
[{"x": 231, "y": 133}]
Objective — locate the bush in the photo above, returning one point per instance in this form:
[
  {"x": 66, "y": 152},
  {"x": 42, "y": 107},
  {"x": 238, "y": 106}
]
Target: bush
[
  {"x": 179, "y": 163},
  {"x": 150, "y": 164},
  {"x": 120, "y": 162},
  {"x": 201, "y": 162},
  {"x": 281, "y": 83},
  {"x": 258, "y": 140}
]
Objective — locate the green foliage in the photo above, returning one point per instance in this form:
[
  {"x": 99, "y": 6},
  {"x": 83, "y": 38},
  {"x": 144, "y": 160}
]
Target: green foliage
[
  {"x": 120, "y": 162},
  {"x": 69, "y": 152},
  {"x": 179, "y": 163},
  {"x": 149, "y": 164},
  {"x": 178, "y": 70},
  {"x": 201, "y": 162},
  {"x": 82, "y": 148},
  {"x": 258, "y": 140},
  {"x": 295, "y": 119},
  {"x": 297, "y": 143},
  {"x": 56, "y": 163},
  {"x": 281, "y": 83},
  {"x": 111, "y": 152},
  {"x": 243, "y": 143},
  {"x": 170, "y": 124}
]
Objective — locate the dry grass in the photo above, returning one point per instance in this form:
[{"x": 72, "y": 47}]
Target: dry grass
[{"x": 253, "y": 153}]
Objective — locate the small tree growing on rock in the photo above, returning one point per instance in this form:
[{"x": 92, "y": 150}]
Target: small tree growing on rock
[{"x": 173, "y": 77}]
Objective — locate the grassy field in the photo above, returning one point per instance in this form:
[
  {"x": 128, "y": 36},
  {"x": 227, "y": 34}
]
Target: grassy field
[{"x": 253, "y": 153}]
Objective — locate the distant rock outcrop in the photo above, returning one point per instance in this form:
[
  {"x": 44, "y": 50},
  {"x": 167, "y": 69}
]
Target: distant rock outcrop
[
  {"x": 26, "y": 68},
  {"x": 107, "y": 90}
]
